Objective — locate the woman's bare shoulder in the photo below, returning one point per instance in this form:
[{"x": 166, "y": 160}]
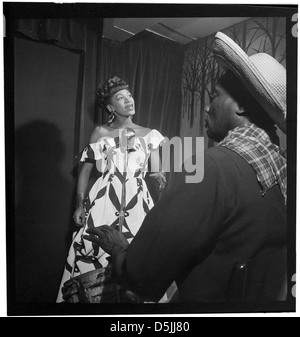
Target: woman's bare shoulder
[
  {"x": 98, "y": 132},
  {"x": 141, "y": 130}
]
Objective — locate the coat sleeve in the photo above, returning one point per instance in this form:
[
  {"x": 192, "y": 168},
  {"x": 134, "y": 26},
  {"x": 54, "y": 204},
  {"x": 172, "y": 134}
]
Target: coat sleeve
[{"x": 177, "y": 233}]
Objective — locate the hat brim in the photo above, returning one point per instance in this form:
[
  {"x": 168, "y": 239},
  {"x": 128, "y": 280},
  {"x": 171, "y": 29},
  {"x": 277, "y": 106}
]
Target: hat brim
[{"x": 230, "y": 56}]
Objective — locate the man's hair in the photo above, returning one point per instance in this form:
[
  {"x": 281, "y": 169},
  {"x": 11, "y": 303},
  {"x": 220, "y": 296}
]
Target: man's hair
[{"x": 253, "y": 110}]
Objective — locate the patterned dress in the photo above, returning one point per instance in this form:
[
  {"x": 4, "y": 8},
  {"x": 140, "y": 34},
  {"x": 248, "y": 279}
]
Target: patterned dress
[{"x": 120, "y": 194}]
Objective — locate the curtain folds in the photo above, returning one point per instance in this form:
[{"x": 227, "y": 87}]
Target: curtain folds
[
  {"x": 152, "y": 66},
  {"x": 66, "y": 33}
]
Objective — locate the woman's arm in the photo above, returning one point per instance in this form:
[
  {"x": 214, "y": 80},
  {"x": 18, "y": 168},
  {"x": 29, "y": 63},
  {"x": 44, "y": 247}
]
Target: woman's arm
[
  {"x": 83, "y": 181},
  {"x": 82, "y": 184}
]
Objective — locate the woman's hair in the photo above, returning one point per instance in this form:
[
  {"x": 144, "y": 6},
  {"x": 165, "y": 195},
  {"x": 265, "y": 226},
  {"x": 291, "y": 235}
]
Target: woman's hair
[
  {"x": 107, "y": 89},
  {"x": 253, "y": 110}
]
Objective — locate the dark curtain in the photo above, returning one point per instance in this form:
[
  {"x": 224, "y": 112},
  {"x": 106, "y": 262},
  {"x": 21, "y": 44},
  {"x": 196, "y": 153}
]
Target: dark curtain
[
  {"x": 66, "y": 33},
  {"x": 152, "y": 66}
]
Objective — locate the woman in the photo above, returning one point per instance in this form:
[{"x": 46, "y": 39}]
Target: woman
[{"x": 119, "y": 198}]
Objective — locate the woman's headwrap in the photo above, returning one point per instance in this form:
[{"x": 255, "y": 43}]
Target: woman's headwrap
[{"x": 107, "y": 89}]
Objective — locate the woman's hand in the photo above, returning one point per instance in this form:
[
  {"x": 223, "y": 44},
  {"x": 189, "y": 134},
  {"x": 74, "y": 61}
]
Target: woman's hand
[
  {"x": 160, "y": 177},
  {"x": 110, "y": 240},
  {"x": 79, "y": 216}
]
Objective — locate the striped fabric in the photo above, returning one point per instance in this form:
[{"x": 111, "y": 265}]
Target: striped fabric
[{"x": 267, "y": 159}]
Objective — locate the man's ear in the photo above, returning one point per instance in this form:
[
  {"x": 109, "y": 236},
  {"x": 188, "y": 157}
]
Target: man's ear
[{"x": 240, "y": 111}]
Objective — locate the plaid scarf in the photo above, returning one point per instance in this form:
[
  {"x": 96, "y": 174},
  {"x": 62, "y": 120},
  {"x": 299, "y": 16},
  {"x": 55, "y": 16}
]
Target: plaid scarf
[{"x": 267, "y": 159}]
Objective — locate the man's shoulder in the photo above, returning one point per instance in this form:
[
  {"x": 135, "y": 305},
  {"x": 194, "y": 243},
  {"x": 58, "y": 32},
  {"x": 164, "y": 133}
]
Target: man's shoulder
[
  {"x": 227, "y": 160},
  {"x": 222, "y": 157},
  {"x": 219, "y": 153},
  {"x": 214, "y": 156}
]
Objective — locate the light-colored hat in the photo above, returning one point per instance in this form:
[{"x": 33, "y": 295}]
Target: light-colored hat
[{"x": 263, "y": 75}]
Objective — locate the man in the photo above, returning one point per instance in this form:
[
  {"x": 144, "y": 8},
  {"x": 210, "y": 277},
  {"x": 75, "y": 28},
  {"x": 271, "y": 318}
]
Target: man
[{"x": 224, "y": 238}]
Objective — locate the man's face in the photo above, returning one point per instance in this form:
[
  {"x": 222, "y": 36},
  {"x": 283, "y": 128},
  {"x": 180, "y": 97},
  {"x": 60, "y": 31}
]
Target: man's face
[{"x": 220, "y": 114}]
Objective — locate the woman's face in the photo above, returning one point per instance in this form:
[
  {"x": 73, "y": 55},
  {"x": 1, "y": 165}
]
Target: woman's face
[{"x": 123, "y": 102}]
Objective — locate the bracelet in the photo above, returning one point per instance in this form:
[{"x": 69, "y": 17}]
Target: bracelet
[{"x": 160, "y": 172}]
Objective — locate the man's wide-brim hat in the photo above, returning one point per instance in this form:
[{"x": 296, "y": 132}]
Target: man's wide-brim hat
[{"x": 264, "y": 76}]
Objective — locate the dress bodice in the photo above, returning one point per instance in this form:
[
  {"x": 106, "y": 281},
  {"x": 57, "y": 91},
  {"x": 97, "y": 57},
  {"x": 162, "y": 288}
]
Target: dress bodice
[{"x": 124, "y": 155}]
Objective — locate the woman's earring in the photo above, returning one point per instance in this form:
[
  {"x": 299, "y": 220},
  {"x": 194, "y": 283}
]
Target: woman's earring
[{"x": 111, "y": 118}]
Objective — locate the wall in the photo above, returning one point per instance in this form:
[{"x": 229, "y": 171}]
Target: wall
[
  {"x": 200, "y": 71},
  {"x": 46, "y": 79}
]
